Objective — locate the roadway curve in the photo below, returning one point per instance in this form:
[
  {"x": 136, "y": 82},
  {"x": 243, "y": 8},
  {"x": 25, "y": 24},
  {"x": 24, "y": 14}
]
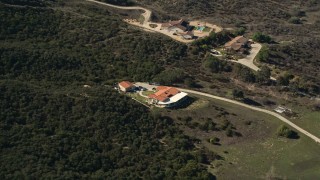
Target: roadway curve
[
  {"x": 147, "y": 13},
  {"x": 285, "y": 120}
]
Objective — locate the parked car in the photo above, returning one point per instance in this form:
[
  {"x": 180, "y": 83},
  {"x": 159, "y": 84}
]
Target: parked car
[{"x": 142, "y": 88}]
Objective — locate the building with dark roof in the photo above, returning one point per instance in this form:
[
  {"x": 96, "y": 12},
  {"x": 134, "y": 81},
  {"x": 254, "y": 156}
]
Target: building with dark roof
[
  {"x": 176, "y": 26},
  {"x": 239, "y": 43}
]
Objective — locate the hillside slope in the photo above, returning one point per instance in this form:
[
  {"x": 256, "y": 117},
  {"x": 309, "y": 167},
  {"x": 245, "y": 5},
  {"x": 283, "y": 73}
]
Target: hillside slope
[{"x": 52, "y": 127}]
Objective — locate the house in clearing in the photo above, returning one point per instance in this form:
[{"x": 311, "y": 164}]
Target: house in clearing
[
  {"x": 167, "y": 97},
  {"x": 126, "y": 86},
  {"x": 179, "y": 26},
  {"x": 238, "y": 44}
]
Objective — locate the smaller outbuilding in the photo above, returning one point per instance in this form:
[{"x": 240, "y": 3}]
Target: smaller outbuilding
[{"x": 126, "y": 86}]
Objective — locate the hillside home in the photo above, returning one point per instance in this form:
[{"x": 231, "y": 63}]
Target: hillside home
[
  {"x": 166, "y": 97},
  {"x": 179, "y": 26},
  {"x": 126, "y": 86},
  {"x": 238, "y": 44}
]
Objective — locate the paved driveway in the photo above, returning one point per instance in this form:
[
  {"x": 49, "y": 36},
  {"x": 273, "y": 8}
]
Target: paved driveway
[{"x": 248, "y": 60}]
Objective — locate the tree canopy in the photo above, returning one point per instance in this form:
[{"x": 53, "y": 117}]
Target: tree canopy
[
  {"x": 260, "y": 37},
  {"x": 52, "y": 127}
]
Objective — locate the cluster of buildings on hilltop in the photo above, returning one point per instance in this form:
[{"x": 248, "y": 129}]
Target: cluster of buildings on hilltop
[
  {"x": 239, "y": 44},
  {"x": 163, "y": 97},
  {"x": 182, "y": 28}
]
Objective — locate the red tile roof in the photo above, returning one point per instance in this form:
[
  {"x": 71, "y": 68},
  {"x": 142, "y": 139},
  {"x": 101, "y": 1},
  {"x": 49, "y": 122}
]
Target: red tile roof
[
  {"x": 164, "y": 92},
  {"x": 126, "y": 84}
]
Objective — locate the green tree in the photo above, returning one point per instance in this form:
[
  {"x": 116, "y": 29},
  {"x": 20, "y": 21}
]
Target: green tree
[
  {"x": 263, "y": 55},
  {"x": 260, "y": 37},
  {"x": 189, "y": 82},
  {"x": 245, "y": 73},
  {"x": 263, "y": 75},
  {"x": 284, "y": 131},
  {"x": 294, "y": 20},
  {"x": 214, "y": 140},
  {"x": 240, "y": 31},
  {"x": 237, "y": 94},
  {"x": 229, "y": 131},
  {"x": 170, "y": 76},
  {"x": 215, "y": 65},
  {"x": 284, "y": 79}
]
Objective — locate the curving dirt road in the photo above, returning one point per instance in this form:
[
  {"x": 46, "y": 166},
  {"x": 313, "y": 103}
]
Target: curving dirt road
[
  {"x": 285, "y": 120},
  {"x": 147, "y": 13}
]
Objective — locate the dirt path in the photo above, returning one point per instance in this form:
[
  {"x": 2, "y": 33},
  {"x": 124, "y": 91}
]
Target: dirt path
[
  {"x": 146, "y": 23},
  {"x": 147, "y": 13},
  {"x": 283, "y": 119}
]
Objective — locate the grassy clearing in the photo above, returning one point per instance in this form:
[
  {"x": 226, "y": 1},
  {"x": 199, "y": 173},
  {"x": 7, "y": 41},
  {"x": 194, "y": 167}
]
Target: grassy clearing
[
  {"x": 258, "y": 153},
  {"x": 292, "y": 159},
  {"x": 197, "y": 104},
  {"x": 310, "y": 121},
  {"x": 147, "y": 93},
  {"x": 141, "y": 19},
  {"x": 138, "y": 97}
]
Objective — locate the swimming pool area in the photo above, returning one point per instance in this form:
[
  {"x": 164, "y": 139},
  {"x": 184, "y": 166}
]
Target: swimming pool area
[{"x": 199, "y": 28}]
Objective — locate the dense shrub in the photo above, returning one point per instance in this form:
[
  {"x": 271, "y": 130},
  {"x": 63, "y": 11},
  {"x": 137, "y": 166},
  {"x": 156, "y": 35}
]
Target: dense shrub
[
  {"x": 263, "y": 75},
  {"x": 245, "y": 73},
  {"x": 263, "y": 55},
  {"x": 262, "y": 38},
  {"x": 284, "y": 131},
  {"x": 295, "y": 20},
  {"x": 51, "y": 127},
  {"x": 237, "y": 94},
  {"x": 216, "y": 65},
  {"x": 170, "y": 76}
]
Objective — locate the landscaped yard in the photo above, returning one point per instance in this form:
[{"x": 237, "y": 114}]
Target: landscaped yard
[
  {"x": 138, "y": 97},
  {"x": 147, "y": 93}
]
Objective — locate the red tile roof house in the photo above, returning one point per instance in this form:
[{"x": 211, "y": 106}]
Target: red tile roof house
[
  {"x": 126, "y": 86},
  {"x": 166, "y": 97},
  {"x": 238, "y": 44}
]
